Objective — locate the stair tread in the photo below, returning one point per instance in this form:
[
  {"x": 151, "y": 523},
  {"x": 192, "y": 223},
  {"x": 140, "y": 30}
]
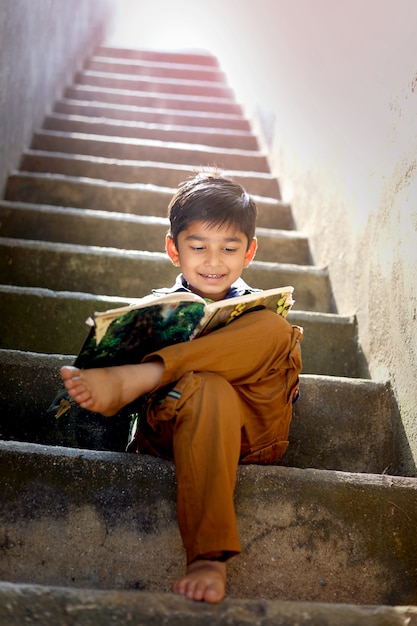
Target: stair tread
[
  {"x": 51, "y": 246},
  {"x": 110, "y": 301},
  {"x": 119, "y": 196},
  {"x": 154, "y": 68},
  {"x": 190, "y": 57},
  {"x": 126, "y": 230},
  {"x": 193, "y": 155},
  {"x": 138, "y": 163},
  {"x": 63, "y": 266},
  {"x": 74, "y": 248},
  {"x": 136, "y": 171},
  {"x": 227, "y": 120},
  {"x": 63, "y": 605},
  {"x": 104, "y": 183},
  {"x": 145, "y": 219},
  {"x": 192, "y": 99},
  {"x": 23, "y": 185},
  {"x": 143, "y": 62},
  {"x": 158, "y": 100},
  {"x": 146, "y": 142},
  {"x": 120, "y": 124},
  {"x": 158, "y": 189},
  {"x": 341, "y": 528},
  {"x": 11, "y": 205},
  {"x": 138, "y": 82},
  {"x": 329, "y": 346},
  {"x": 325, "y": 437},
  {"x": 272, "y": 477},
  {"x": 158, "y": 132}
]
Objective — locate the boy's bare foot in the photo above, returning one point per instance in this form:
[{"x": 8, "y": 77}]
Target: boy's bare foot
[
  {"x": 204, "y": 580},
  {"x": 106, "y": 390}
]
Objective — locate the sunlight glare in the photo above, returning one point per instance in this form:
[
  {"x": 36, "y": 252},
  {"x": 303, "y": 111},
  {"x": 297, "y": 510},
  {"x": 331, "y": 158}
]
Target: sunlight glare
[{"x": 164, "y": 24}]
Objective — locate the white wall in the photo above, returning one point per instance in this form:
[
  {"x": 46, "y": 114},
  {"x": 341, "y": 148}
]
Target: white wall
[
  {"x": 344, "y": 144},
  {"x": 42, "y": 42},
  {"x": 334, "y": 83}
]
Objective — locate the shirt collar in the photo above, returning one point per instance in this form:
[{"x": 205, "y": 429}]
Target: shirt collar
[{"x": 238, "y": 288}]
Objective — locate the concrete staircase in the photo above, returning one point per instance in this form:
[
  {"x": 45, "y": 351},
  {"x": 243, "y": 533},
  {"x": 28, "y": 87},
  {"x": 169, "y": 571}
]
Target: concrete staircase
[{"x": 87, "y": 532}]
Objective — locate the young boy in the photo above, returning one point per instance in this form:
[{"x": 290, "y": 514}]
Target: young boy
[{"x": 221, "y": 399}]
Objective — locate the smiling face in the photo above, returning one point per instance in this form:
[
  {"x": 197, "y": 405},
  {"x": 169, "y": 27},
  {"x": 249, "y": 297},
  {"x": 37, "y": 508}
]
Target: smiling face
[{"x": 211, "y": 257}]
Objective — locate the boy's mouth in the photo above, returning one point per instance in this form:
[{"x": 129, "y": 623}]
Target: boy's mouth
[{"x": 212, "y": 276}]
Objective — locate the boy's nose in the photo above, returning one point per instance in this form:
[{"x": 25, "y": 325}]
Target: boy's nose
[{"x": 213, "y": 259}]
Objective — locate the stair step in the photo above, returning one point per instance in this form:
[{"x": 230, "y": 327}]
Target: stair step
[
  {"x": 141, "y": 67},
  {"x": 135, "y": 198},
  {"x": 54, "y": 311},
  {"x": 233, "y": 139},
  {"x": 133, "y": 273},
  {"x": 65, "y": 606},
  {"x": 308, "y": 535},
  {"x": 324, "y": 431},
  {"x": 155, "y": 84},
  {"x": 329, "y": 345},
  {"x": 193, "y": 155},
  {"x": 152, "y": 115},
  {"x": 160, "y": 56},
  {"x": 149, "y": 99},
  {"x": 145, "y": 172},
  {"x": 126, "y": 231}
]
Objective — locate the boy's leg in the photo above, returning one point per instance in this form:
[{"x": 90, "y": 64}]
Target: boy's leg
[
  {"x": 106, "y": 390},
  {"x": 233, "y": 397},
  {"x": 257, "y": 341},
  {"x": 202, "y": 416},
  {"x": 204, "y": 413},
  {"x": 259, "y": 355}
]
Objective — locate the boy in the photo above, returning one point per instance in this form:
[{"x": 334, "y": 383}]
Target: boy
[{"x": 221, "y": 399}]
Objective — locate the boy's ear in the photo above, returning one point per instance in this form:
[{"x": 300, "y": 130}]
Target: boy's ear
[
  {"x": 250, "y": 254},
  {"x": 171, "y": 250}
]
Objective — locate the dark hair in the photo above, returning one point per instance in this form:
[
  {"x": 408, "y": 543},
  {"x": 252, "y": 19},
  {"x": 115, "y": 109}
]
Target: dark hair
[{"x": 213, "y": 199}]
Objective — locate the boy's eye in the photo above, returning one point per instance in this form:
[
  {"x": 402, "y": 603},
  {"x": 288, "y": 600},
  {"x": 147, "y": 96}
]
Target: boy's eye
[{"x": 226, "y": 249}]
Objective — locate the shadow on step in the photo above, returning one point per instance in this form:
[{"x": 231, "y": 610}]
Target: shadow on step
[{"x": 339, "y": 423}]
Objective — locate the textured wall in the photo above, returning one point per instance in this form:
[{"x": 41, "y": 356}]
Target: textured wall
[
  {"x": 343, "y": 137},
  {"x": 41, "y": 44}
]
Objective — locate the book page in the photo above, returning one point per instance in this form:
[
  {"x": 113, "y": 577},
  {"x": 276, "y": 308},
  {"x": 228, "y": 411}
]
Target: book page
[
  {"x": 103, "y": 319},
  {"x": 138, "y": 332},
  {"x": 221, "y": 313}
]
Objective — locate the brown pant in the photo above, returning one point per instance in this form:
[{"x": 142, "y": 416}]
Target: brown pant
[{"x": 231, "y": 402}]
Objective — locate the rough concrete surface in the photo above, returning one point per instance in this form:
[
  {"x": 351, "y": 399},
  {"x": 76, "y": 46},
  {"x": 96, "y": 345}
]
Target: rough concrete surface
[
  {"x": 107, "y": 520},
  {"x": 134, "y": 273},
  {"x": 322, "y": 435},
  {"x": 30, "y": 605}
]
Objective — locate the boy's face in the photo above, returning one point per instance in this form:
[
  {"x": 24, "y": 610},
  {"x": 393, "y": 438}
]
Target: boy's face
[{"x": 211, "y": 258}]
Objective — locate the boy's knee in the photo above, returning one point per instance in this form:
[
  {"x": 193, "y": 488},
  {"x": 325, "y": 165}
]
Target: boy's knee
[
  {"x": 194, "y": 389},
  {"x": 270, "y": 321},
  {"x": 213, "y": 381}
]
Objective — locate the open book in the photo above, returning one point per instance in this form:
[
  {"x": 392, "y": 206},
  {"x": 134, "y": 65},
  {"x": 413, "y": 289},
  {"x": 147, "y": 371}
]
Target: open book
[{"x": 127, "y": 334}]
